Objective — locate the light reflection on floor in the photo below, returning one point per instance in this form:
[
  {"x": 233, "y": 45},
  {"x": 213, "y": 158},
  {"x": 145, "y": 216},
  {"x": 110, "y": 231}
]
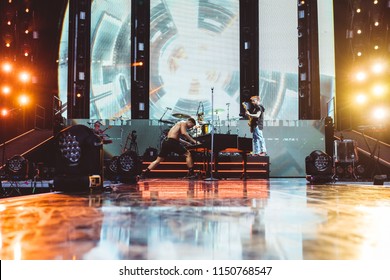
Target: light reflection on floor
[{"x": 181, "y": 219}]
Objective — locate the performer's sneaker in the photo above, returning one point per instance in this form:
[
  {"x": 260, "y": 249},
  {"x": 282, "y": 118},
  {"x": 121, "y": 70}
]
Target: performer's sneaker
[
  {"x": 191, "y": 176},
  {"x": 263, "y": 154}
]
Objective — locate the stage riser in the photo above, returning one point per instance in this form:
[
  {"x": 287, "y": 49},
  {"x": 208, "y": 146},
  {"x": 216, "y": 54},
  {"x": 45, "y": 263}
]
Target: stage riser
[{"x": 228, "y": 167}]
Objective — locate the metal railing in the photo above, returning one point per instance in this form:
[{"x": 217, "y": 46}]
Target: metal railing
[{"x": 40, "y": 117}]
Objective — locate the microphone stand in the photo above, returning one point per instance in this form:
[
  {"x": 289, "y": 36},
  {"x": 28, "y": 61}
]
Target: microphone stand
[
  {"x": 211, "y": 178},
  {"x": 228, "y": 118},
  {"x": 166, "y": 110}
]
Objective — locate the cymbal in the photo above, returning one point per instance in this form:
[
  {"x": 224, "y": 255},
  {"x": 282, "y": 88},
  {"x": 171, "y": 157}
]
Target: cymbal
[
  {"x": 181, "y": 116},
  {"x": 165, "y": 121},
  {"x": 216, "y": 111},
  {"x": 119, "y": 119}
]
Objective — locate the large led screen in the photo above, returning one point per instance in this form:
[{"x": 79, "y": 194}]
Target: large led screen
[
  {"x": 195, "y": 58},
  {"x": 278, "y": 58},
  {"x": 110, "y": 59},
  {"x": 278, "y": 63}
]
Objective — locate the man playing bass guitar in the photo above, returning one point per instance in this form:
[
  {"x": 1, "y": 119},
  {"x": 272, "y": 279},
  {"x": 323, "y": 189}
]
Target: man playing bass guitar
[{"x": 256, "y": 120}]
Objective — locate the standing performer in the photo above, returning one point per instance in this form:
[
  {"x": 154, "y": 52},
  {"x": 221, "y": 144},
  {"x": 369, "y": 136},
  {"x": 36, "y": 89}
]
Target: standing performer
[
  {"x": 172, "y": 144},
  {"x": 97, "y": 129},
  {"x": 256, "y": 119}
]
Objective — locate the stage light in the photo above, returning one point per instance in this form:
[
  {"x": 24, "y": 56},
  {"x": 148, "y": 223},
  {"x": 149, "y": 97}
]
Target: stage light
[
  {"x": 319, "y": 167},
  {"x": 137, "y": 63},
  {"x": 6, "y": 90},
  {"x": 378, "y": 90},
  {"x": 361, "y": 76},
  {"x": 111, "y": 171},
  {"x": 17, "y": 168},
  {"x": 361, "y": 98},
  {"x": 7, "y": 67},
  {"x": 78, "y": 159},
  {"x": 340, "y": 171},
  {"x": 129, "y": 167},
  {"x": 361, "y": 171},
  {"x": 4, "y": 112},
  {"x": 24, "y": 77},
  {"x": 379, "y": 114},
  {"x": 378, "y": 68},
  {"x": 70, "y": 148},
  {"x": 23, "y": 100}
]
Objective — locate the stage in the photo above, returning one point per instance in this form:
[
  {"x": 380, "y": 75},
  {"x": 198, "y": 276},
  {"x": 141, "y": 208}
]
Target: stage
[{"x": 232, "y": 219}]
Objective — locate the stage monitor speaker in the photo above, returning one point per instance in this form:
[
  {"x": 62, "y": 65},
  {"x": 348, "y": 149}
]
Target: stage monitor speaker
[
  {"x": 78, "y": 155},
  {"x": 17, "y": 168}
]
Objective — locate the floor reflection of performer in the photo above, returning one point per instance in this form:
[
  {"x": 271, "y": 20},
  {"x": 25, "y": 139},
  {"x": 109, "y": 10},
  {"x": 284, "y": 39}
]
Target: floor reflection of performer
[{"x": 172, "y": 144}]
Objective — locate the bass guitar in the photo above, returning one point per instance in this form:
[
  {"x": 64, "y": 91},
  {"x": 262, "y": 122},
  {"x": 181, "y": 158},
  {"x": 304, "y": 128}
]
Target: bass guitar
[{"x": 251, "y": 120}]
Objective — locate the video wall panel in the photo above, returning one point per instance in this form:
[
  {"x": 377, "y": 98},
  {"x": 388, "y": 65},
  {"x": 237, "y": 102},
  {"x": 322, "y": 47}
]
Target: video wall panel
[
  {"x": 195, "y": 58},
  {"x": 194, "y": 54}
]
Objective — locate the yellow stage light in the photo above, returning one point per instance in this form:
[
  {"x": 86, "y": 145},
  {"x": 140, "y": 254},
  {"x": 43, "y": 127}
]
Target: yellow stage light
[
  {"x": 24, "y": 77},
  {"x": 361, "y": 98},
  {"x": 378, "y": 68},
  {"x": 23, "y": 100},
  {"x": 378, "y": 90},
  {"x": 7, "y": 67},
  {"x": 6, "y": 90},
  {"x": 361, "y": 76},
  {"x": 137, "y": 63},
  {"x": 4, "y": 112},
  {"x": 379, "y": 113}
]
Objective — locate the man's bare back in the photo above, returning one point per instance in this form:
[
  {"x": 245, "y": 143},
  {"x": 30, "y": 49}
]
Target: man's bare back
[{"x": 180, "y": 128}]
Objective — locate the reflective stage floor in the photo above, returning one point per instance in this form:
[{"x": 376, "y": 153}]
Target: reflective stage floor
[{"x": 187, "y": 220}]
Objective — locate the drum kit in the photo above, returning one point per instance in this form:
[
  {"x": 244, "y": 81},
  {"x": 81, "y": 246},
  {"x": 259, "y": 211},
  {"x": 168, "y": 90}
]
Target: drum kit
[{"x": 202, "y": 128}]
